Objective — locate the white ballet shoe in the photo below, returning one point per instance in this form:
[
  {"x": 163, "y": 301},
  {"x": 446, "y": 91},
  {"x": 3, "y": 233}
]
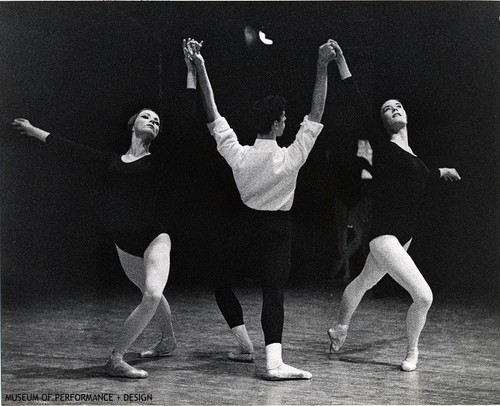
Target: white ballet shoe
[
  {"x": 239, "y": 356},
  {"x": 337, "y": 336},
  {"x": 162, "y": 349},
  {"x": 286, "y": 372},
  {"x": 410, "y": 362},
  {"x": 244, "y": 352},
  {"x": 118, "y": 367}
]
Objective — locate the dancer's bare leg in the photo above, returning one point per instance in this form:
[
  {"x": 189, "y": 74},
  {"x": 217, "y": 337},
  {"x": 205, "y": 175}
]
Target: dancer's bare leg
[
  {"x": 134, "y": 268},
  {"x": 353, "y": 293},
  {"x": 394, "y": 258},
  {"x": 156, "y": 271}
]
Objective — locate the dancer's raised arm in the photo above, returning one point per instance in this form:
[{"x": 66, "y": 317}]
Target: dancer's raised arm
[
  {"x": 205, "y": 86},
  {"x": 341, "y": 62},
  {"x": 366, "y": 121},
  {"x": 191, "y": 68},
  {"x": 326, "y": 54}
]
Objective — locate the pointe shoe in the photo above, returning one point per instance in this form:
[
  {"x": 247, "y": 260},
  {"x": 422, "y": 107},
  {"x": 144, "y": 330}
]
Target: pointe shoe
[
  {"x": 286, "y": 372},
  {"x": 410, "y": 362},
  {"x": 162, "y": 349},
  {"x": 337, "y": 336},
  {"x": 241, "y": 356},
  {"x": 118, "y": 367}
]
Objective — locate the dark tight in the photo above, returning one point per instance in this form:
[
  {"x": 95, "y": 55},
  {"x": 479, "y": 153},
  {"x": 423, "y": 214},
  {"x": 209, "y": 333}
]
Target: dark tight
[
  {"x": 227, "y": 301},
  {"x": 268, "y": 237}
]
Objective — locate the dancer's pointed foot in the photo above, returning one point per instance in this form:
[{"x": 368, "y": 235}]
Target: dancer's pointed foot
[
  {"x": 239, "y": 356},
  {"x": 410, "y": 362},
  {"x": 245, "y": 351},
  {"x": 118, "y": 367},
  {"x": 162, "y": 349},
  {"x": 337, "y": 336},
  {"x": 286, "y": 372}
]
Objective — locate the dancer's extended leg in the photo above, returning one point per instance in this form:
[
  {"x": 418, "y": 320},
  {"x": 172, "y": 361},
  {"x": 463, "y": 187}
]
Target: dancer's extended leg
[
  {"x": 156, "y": 271},
  {"x": 275, "y": 259},
  {"x": 353, "y": 293},
  {"x": 394, "y": 258},
  {"x": 134, "y": 269},
  {"x": 230, "y": 307},
  {"x": 168, "y": 343}
]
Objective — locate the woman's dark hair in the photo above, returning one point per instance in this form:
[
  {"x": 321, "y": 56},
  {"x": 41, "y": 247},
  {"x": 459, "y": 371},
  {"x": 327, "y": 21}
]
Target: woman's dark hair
[{"x": 266, "y": 111}]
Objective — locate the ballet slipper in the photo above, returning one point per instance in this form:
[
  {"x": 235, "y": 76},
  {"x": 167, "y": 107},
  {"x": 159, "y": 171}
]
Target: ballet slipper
[
  {"x": 337, "y": 336},
  {"x": 239, "y": 356},
  {"x": 118, "y": 367},
  {"x": 161, "y": 349},
  {"x": 410, "y": 362},
  {"x": 286, "y": 372},
  {"x": 245, "y": 351}
]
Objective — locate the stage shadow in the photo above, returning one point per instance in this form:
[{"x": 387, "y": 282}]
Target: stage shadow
[
  {"x": 371, "y": 362},
  {"x": 46, "y": 373},
  {"x": 368, "y": 346},
  {"x": 343, "y": 355},
  {"x": 133, "y": 358},
  {"x": 219, "y": 364}
]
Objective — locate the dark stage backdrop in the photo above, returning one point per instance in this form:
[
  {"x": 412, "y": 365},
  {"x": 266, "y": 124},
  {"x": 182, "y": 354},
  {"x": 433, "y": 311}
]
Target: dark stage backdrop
[{"x": 81, "y": 69}]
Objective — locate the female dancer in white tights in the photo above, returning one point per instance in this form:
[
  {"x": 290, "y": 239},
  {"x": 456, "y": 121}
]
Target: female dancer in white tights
[
  {"x": 399, "y": 180},
  {"x": 129, "y": 217}
]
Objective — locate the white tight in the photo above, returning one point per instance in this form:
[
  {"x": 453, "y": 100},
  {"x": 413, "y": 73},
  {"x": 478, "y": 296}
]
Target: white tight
[
  {"x": 387, "y": 255},
  {"x": 150, "y": 275}
]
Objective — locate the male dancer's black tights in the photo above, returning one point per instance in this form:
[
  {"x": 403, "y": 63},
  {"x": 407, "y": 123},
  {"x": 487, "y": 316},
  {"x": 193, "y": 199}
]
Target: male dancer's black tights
[{"x": 268, "y": 236}]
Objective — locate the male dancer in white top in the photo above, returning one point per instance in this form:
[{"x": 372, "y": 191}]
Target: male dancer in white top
[{"x": 266, "y": 177}]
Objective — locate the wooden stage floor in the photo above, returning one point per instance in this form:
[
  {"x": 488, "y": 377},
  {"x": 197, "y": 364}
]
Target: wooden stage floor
[{"x": 58, "y": 346}]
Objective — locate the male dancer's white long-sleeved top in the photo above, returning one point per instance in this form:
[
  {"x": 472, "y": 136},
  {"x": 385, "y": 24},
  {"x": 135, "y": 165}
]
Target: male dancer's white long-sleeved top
[{"x": 265, "y": 173}]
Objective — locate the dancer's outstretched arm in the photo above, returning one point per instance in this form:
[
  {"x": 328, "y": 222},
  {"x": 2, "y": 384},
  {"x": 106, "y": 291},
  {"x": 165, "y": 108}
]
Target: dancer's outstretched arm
[
  {"x": 176, "y": 149},
  {"x": 26, "y": 128},
  {"x": 59, "y": 144},
  {"x": 204, "y": 82},
  {"x": 368, "y": 125},
  {"x": 226, "y": 139},
  {"x": 341, "y": 62},
  {"x": 326, "y": 54},
  {"x": 449, "y": 174},
  {"x": 191, "y": 68}
]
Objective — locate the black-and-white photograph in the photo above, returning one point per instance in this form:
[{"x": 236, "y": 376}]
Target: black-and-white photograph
[{"x": 249, "y": 203}]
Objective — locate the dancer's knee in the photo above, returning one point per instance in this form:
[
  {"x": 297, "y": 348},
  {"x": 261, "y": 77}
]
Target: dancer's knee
[
  {"x": 364, "y": 282},
  {"x": 152, "y": 297},
  {"x": 159, "y": 249},
  {"x": 423, "y": 298},
  {"x": 163, "y": 243},
  {"x": 369, "y": 283}
]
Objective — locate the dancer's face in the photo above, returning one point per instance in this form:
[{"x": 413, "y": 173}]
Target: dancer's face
[
  {"x": 393, "y": 115},
  {"x": 147, "y": 123},
  {"x": 280, "y": 125}
]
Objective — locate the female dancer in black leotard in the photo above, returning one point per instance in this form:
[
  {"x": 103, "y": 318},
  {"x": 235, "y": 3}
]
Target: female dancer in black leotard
[
  {"x": 129, "y": 216},
  {"x": 399, "y": 180}
]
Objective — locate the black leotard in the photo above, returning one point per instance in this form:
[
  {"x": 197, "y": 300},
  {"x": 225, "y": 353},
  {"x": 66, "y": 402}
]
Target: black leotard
[
  {"x": 128, "y": 206},
  {"x": 399, "y": 178}
]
